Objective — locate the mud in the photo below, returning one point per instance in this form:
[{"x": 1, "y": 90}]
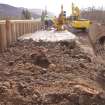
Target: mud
[{"x": 46, "y": 73}]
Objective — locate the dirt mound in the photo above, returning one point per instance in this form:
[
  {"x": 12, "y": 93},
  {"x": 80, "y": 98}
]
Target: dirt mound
[
  {"x": 46, "y": 73},
  {"x": 39, "y": 58}
]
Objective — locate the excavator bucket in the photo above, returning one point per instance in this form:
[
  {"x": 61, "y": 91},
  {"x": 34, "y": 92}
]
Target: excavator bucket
[{"x": 97, "y": 39}]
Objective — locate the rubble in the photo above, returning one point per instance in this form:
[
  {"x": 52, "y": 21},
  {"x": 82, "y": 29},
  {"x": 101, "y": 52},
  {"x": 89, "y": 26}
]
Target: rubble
[{"x": 49, "y": 73}]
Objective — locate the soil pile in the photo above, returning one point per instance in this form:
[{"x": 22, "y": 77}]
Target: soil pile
[{"x": 45, "y": 73}]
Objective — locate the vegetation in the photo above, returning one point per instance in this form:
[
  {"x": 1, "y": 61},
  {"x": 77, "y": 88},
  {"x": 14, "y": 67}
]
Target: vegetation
[
  {"x": 26, "y": 14},
  {"x": 43, "y": 15},
  {"x": 94, "y": 14},
  {"x": 9, "y": 17}
]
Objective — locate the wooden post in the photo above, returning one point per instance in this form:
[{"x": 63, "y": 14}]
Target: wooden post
[
  {"x": 20, "y": 29},
  {"x": 30, "y": 27},
  {"x": 8, "y": 32},
  {"x": 26, "y": 27},
  {"x": 33, "y": 27},
  {"x": 17, "y": 30},
  {"x": 12, "y": 37},
  {"x": 13, "y": 32},
  {"x": 3, "y": 39},
  {"x": 23, "y": 28},
  {"x": 36, "y": 26}
]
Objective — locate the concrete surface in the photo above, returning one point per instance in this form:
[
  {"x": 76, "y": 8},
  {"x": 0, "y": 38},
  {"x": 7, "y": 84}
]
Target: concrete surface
[{"x": 49, "y": 36}]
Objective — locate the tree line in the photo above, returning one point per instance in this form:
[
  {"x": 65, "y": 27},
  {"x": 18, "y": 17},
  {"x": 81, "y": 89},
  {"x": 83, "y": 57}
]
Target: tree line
[
  {"x": 25, "y": 14},
  {"x": 94, "y": 14}
]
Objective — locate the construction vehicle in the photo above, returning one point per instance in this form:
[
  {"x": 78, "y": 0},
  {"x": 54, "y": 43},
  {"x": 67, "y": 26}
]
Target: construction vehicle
[
  {"x": 60, "y": 21},
  {"x": 75, "y": 20}
]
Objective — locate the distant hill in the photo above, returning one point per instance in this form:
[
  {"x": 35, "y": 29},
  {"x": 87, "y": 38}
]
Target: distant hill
[
  {"x": 38, "y": 12},
  {"x": 8, "y": 10}
]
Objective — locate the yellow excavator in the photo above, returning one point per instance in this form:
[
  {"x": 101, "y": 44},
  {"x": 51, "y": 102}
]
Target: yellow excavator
[
  {"x": 75, "y": 20},
  {"x": 60, "y": 21}
]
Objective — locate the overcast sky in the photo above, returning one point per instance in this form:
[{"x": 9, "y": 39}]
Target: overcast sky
[{"x": 54, "y": 5}]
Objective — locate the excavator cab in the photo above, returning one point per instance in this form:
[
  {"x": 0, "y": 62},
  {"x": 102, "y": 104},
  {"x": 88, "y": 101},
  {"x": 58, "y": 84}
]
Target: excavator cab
[
  {"x": 76, "y": 21},
  {"x": 73, "y": 18},
  {"x": 60, "y": 21}
]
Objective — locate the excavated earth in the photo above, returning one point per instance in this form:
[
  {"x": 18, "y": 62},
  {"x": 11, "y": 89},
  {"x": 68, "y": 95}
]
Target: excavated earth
[{"x": 50, "y": 73}]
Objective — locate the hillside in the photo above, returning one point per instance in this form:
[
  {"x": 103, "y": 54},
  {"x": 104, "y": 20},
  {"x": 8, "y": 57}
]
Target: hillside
[{"x": 8, "y": 10}]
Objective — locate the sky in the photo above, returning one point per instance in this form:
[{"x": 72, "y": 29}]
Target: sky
[{"x": 54, "y": 5}]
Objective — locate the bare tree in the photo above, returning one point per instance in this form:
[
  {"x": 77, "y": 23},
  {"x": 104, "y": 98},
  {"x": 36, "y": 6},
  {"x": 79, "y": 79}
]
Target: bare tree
[
  {"x": 26, "y": 14},
  {"x": 94, "y": 14}
]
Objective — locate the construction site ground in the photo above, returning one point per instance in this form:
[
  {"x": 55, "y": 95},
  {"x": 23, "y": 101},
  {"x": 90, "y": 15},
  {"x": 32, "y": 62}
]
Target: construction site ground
[{"x": 51, "y": 73}]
